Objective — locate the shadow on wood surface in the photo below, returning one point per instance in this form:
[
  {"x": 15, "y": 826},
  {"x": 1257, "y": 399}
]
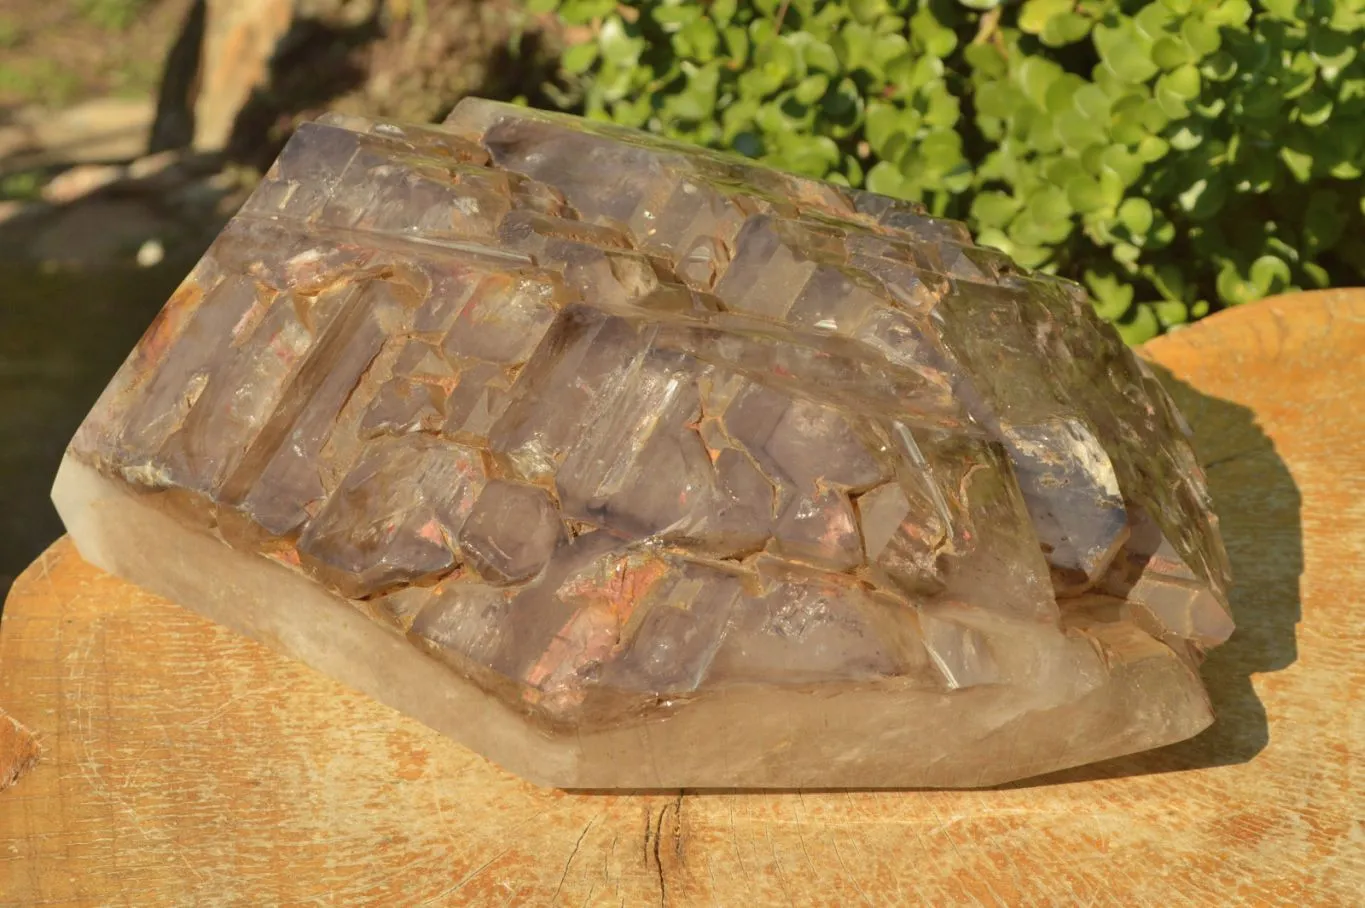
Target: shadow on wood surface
[{"x": 1258, "y": 505}]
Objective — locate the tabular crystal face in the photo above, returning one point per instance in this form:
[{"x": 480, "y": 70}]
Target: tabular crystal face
[{"x": 630, "y": 464}]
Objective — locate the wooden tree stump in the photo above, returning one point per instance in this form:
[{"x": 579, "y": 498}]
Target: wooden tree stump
[{"x": 184, "y": 764}]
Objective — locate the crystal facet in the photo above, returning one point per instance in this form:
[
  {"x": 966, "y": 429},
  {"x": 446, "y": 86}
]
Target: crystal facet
[{"x": 631, "y": 464}]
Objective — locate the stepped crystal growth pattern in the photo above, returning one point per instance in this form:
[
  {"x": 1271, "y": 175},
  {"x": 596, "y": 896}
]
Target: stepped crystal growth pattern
[{"x": 630, "y": 464}]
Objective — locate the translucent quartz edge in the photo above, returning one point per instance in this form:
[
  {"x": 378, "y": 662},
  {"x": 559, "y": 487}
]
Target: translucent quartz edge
[{"x": 741, "y": 738}]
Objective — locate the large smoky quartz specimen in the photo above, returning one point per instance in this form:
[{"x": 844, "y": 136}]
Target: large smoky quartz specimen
[{"x": 629, "y": 464}]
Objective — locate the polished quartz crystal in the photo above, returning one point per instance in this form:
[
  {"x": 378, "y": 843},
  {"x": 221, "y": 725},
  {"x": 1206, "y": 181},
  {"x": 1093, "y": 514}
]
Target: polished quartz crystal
[{"x": 635, "y": 465}]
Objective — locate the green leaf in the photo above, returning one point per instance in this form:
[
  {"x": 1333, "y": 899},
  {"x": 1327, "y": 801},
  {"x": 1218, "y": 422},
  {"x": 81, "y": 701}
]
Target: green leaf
[
  {"x": 1300, "y": 76},
  {"x": 670, "y": 16},
  {"x": 1110, "y": 294},
  {"x": 1152, "y": 149},
  {"x": 1162, "y": 233},
  {"x": 820, "y": 57},
  {"x": 1036, "y": 75},
  {"x": 1152, "y": 20},
  {"x": 902, "y": 73},
  {"x": 882, "y": 121},
  {"x": 885, "y": 178},
  {"x": 1167, "y": 280},
  {"x": 1059, "y": 94},
  {"x": 722, "y": 11},
  {"x": 1112, "y": 185},
  {"x": 986, "y": 60},
  {"x": 698, "y": 40},
  {"x": 1041, "y": 137},
  {"x": 1027, "y": 230},
  {"x": 1091, "y": 101},
  {"x": 1183, "y": 82},
  {"x": 811, "y": 89},
  {"x": 1038, "y": 257},
  {"x": 1234, "y": 289},
  {"x": 1317, "y": 275},
  {"x": 698, "y": 102},
  {"x": 997, "y": 100},
  {"x": 1219, "y": 67},
  {"x": 1129, "y": 126},
  {"x": 1154, "y": 116},
  {"x": 943, "y": 109},
  {"x": 1065, "y": 29},
  {"x": 1126, "y": 59},
  {"x": 1139, "y": 326},
  {"x": 1076, "y": 131},
  {"x": 1122, "y": 163},
  {"x": 810, "y": 155},
  {"x": 994, "y": 209},
  {"x": 1300, "y": 163},
  {"x": 1269, "y": 275},
  {"x": 1049, "y": 205},
  {"x": 579, "y": 58},
  {"x": 941, "y": 151},
  {"x": 1171, "y": 104},
  {"x": 1170, "y": 312},
  {"x": 853, "y": 169},
  {"x": 1186, "y": 136},
  {"x": 1056, "y": 171},
  {"x": 1315, "y": 108},
  {"x": 867, "y": 11},
  {"x": 581, "y": 12},
  {"x": 1228, "y": 13},
  {"x": 1332, "y": 51},
  {"x": 1136, "y": 215},
  {"x": 932, "y": 36},
  {"x": 1084, "y": 193},
  {"x": 1035, "y": 14},
  {"x": 1168, "y": 52},
  {"x": 616, "y": 46},
  {"x": 736, "y": 44},
  {"x": 1201, "y": 37},
  {"x": 886, "y": 48}
]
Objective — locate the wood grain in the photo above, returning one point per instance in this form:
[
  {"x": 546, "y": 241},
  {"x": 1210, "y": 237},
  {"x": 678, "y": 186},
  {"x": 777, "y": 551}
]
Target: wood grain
[
  {"x": 186, "y": 765},
  {"x": 18, "y": 750}
]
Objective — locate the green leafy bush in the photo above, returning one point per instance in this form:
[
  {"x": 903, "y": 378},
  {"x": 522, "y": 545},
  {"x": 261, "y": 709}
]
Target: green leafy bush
[{"x": 1177, "y": 156}]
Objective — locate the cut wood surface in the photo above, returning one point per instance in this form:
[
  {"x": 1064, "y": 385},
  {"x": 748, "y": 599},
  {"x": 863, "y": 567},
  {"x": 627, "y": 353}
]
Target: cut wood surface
[
  {"x": 186, "y": 765},
  {"x": 18, "y": 751}
]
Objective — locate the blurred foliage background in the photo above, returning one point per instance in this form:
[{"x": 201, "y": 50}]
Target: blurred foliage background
[{"x": 1177, "y": 156}]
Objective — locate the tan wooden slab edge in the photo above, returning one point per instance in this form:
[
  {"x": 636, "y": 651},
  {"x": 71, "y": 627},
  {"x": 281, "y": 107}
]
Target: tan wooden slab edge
[{"x": 186, "y": 765}]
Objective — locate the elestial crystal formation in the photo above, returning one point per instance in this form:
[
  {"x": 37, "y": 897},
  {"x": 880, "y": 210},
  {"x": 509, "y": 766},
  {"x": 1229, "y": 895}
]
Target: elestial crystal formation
[{"x": 629, "y": 464}]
